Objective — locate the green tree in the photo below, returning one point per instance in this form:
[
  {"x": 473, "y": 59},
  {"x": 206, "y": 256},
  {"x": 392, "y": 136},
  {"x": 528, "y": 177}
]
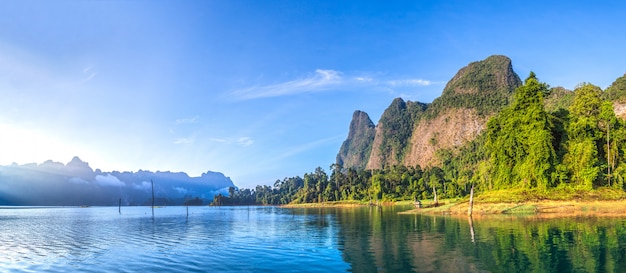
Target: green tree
[
  {"x": 519, "y": 140},
  {"x": 584, "y": 137}
]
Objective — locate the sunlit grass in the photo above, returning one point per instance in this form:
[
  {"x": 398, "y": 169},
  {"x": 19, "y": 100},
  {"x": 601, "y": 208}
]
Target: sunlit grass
[
  {"x": 556, "y": 203},
  {"x": 562, "y": 194}
]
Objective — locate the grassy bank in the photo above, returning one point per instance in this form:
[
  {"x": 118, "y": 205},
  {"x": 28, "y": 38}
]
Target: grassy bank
[
  {"x": 330, "y": 204},
  {"x": 345, "y": 204},
  {"x": 555, "y": 203}
]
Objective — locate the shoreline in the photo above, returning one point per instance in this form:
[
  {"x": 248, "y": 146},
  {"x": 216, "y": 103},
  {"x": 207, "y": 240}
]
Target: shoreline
[
  {"x": 540, "y": 209},
  {"x": 346, "y": 204},
  {"x": 535, "y": 209}
]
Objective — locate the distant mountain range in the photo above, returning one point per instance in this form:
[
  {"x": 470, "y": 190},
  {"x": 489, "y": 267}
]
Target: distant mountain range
[{"x": 76, "y": 183}]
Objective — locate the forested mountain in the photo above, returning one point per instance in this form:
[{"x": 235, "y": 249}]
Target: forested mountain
[
  {"x": 76, "y": 183},
  {"x": 488, "y": 130},
  {"x": 411, "y": 133}
]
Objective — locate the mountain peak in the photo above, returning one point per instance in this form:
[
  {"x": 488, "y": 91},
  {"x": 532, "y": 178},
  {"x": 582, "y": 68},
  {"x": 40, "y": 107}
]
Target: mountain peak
[
  {"x": 355, "y": 150},
  {"x": 492, "y": 74}
]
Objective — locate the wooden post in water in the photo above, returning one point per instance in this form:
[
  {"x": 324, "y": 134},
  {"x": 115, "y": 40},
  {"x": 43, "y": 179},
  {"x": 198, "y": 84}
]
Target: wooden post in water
[
  {"x": 119, "y": 208},
  {"x": 471, "y": 201},
  {"x": 152, "y": 182},
  {"x": 471, "y": 226}
]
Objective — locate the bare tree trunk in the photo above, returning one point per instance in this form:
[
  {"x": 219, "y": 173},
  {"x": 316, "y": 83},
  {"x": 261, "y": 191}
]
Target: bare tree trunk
[
  {"x": 471, "y": 201},
  {"x": 435, "y": 192},
  {"x": 608, "y": 150}
]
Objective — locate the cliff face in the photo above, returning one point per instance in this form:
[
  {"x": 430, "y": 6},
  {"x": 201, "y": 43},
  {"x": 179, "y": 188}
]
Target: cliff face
[
  {"x": 471, "y": 97},
  {"x": 355, "y": 150},
  {"x": 410, "y": 133},
  {"x": 452, "y": 128},
  {"x": 393, "y": 133}
]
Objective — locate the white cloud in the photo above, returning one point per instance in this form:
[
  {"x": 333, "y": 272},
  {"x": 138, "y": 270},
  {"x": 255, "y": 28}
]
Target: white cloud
[
  {"x": 364, "y": 79},
  {"x": 78, "y": 180},
  {"x": 144, "y": 186},
  {"x": 90, "y": 74},
  {"x": 322, "y": 79},
  {"x": 409, "y": 82},
  {"x": 181, "y": 190},
  {"x": 183, "y": 140},
  {"x": 245, "y": 141},
  {"x": 221, "y": 140},
  {"x": 188, "y": 120},
  {"x": 242, "y": 141},
  {"x": 327, "y": 79},
  {"x": 109, "y": 180}
]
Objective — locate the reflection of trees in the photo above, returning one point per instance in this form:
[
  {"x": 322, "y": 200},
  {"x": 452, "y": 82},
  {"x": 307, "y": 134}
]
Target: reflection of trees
[
  {"x": 379, "y": 240},
  {"x": 376, "y": 240},
  {"x": 556, "y": 245}
]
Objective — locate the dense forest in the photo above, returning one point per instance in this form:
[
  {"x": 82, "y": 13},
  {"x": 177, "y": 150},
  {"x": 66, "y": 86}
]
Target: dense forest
[{"x": 546, "y": 140}]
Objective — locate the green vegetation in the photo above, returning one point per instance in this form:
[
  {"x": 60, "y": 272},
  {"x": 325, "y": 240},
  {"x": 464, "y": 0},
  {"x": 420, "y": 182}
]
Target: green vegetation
[
  {"x": 486, "y": 86},
  {"x": 519, "y": 141},
  {"x": 617, "y": 90},
  {"x": 397, "y": 126},
  {"x": 526, "y": 153}
]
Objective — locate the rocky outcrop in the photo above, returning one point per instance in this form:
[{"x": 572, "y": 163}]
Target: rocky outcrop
[
  {"x": 355, "y": 150},
  {"x": 452, "y": 128},
  {"x": 393, "y": 133}
]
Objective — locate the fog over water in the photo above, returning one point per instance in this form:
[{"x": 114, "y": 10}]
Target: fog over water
[{"x": 76, "y": 183}]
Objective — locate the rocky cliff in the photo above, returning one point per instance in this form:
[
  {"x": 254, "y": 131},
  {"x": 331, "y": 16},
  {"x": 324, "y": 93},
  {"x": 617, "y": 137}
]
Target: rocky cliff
[
  {"x": 393, "y": 133},
  {"x": 355, "y": 150},
  {"x": 410, "y": 133}
]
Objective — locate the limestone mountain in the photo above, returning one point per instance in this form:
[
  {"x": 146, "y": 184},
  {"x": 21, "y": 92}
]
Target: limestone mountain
[
  {"x": 355, "y": 150},
  {"x": 393, "y": 133},
  {"x": 410, "y": 133},
  {"x": 486, "y": 86}
]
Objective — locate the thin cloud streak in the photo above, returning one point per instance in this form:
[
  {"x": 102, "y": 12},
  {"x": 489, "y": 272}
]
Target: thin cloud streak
[
  {"x": 323, "y": 80},
  {"x": 183, "y": 141},
  {"x": 410, "y": 82},
  {"x": 189, "y": 120},
  {"x": 241, "y": 141}
]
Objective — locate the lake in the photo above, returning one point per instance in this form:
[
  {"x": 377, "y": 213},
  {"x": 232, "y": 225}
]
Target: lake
[{"x": 273, "y": 239}]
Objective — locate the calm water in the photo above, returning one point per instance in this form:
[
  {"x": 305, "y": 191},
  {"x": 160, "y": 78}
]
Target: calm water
[{"x": 270, "y": 239}]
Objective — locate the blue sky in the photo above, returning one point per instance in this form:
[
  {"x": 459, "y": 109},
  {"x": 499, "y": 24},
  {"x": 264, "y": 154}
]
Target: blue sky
[{"x": 261, "y": 90}]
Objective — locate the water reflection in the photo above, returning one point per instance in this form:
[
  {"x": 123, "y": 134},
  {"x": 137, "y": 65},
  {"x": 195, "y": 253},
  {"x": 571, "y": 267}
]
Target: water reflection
[
  {"x": 271, "y": 239},
  {"x": 234, "y": 239},
  {"x": 417, "y": 243}
]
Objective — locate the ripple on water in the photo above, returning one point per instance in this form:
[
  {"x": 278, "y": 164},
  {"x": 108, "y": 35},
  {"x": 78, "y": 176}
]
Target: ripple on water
[{"x": 254, "y": 239}]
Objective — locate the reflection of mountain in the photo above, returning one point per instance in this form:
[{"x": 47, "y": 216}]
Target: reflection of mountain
[
  {"x": 378, "y": 240},
  {"x": 55, "y": 184}
]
